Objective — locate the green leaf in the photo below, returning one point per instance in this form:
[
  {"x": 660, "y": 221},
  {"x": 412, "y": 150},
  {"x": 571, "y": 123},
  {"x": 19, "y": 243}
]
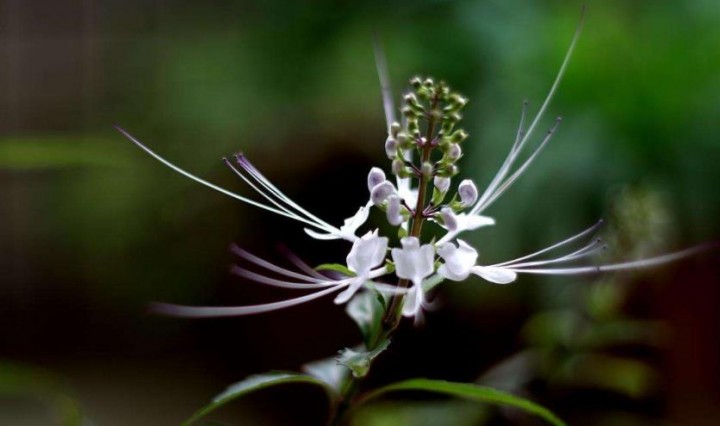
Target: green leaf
[
  {"x": 329, "y": 371},
  {"x": 337, "y": 267},
  {"x": 468, "y": 391},
  {"x": 367, "y": 311},
  {"x": 252, "y": 384},
  {"x": 359, "y": 362}
]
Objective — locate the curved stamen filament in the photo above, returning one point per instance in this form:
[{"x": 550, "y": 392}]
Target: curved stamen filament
[{"x": 232, "y": 311}]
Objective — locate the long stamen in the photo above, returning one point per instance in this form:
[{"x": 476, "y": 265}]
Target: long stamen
[
  {"x": 295, "y": 260},
  {"x": 202, "y": 181},
  {"x": 272, "y": 267},
  {"x": 231, "y": 311},
  {"x": 509, "y": 160},
  {"x": 554, "y": 246},
  {"x": 384, "y": 76},
  {"x": 269, "y": 198},
  {"x": 641, "y": 263},
  {"x": 261, "y": 179},
  {"x": 284, "y": 284},
  {"x": 521, "y": 129},
  {"x": 587, "y": 251},
  {"x": 517, "y": 147},
  {"x": 497, "y": 193}
]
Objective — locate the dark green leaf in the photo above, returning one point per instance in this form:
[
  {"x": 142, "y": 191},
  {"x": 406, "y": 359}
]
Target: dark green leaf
[
  {"x": 252, "y": 384},
  {"x": 468, "y": 391},
  {"x": 367, "y": 311},
  {"x": 329, "y": 371}
]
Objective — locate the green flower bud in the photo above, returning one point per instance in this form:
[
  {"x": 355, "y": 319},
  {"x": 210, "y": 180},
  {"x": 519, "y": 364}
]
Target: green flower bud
[
  {"x": 458, "y": 136},
  {"x": 426, "y": 169}
]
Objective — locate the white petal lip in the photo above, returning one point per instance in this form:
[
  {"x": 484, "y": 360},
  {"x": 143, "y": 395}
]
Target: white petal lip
[
  {"x": 413, "y": 262},
  {"x": 348, "y": 230},
  {"x": 459, "y": 260},
  {"x": 367, "y": 253}
]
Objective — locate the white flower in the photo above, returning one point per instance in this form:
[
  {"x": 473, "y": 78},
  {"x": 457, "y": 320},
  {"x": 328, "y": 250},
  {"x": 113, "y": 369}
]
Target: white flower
[
  {"x": 415, "y": 263},
  {"x": 460, "y": 263},
  {"x": 365, "y": 254},
  {"x": 464, "y": 222},
  {"x": 458, "y": 260},
  {"x": 348, "y": 230}
]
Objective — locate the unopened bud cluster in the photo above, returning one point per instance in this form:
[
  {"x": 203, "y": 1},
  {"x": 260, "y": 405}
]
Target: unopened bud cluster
[
  {"x": 430, "y": 112},
  {"x": 425, "y": 147}
]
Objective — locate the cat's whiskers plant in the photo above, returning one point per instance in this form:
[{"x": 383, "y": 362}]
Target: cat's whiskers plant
[{"x": 424, "y": 150}]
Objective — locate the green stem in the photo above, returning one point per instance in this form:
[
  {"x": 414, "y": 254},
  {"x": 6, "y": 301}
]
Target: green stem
[{"x": 393, "y": 314}]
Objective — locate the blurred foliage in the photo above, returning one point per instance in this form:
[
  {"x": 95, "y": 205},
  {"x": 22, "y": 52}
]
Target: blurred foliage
[
  {"x": 93, "y": 230},
  {"x": 23, "y": 382}
]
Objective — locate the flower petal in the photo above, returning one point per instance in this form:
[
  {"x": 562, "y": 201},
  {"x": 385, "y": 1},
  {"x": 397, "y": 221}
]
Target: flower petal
[{"x": 494, "y": 274}]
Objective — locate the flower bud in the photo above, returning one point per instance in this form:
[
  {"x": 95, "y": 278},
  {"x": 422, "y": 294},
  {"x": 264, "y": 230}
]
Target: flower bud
[
  {"x": 394, "y": 128},
  {"x": 448, "y": 218},
  {"x": 458, "y": 136},
  {"x": 391, "y": 147},
  {"x": 381, "y": 192},
  {"x": 394, "y": 210},
  {"x": 468, "y": 192},
  {"x": 459, "y": 100},
  {"x": 426, "y": 169},
  {"x": 375, "y": 178},
  {"x": 454, "y": 152},
  {"x": 416, "y": 82},
  {"x": 398, "y": 166},
  {"x": 441, "y": 183},
  {"x": 447, "y": 170}
]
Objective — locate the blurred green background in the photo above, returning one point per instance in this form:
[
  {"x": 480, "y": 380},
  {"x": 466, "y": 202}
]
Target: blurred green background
[{"x": 92, "y": 230}]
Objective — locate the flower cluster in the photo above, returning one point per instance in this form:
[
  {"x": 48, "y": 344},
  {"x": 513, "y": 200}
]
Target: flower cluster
[{"x": 424, "y": 148}]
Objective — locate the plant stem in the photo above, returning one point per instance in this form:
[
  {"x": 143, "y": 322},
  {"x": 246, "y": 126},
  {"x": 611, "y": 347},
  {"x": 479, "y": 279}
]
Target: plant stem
[{"x": 393, "y": 314}]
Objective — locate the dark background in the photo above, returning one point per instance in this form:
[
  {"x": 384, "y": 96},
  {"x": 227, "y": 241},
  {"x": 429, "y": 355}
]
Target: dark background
[{"x": 92, "y": 229}]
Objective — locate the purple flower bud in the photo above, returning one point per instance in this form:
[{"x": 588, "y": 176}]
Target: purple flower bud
[
  {"x": 375, "y": 178},
  {"x": 454, "y": 152},
  {"x": 391, "y": 147},
  {"x": 448, "y": 217},
  {"x": 468, "y": 192},
  {"x": 381, "y": 192},
  {"x": 394, "y": 210}
]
